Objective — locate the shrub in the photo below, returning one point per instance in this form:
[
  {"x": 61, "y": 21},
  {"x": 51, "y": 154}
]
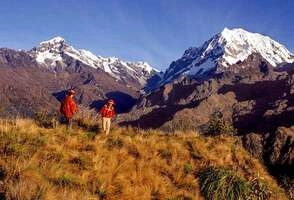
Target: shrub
[
  {"x": 16, "y": 149},
  {"x": 101, "y": 194},
  {"x": 194, "y": 152},
  {"x": 88, "y": 148},
  {"x": 259, "y": 190},
  {"x": 83, "y": 162},
  {"x": 165, "y": 154},
  {"x": 155, "y": 195},
  {"x": 114, "y": 143},
  {"x": 90, "y": 135},
  {"x": 222, "y": 184},
  {"x": 133, "y": 151},
  {"x": 188, "y": 168},
  {"x": 53, "y": 156},
  {"x": 288, "y": 184},
  {"x": 180, "y": 123},
  {"x": 3, "y": 172},
  {"x": 46, "y": 119},
  {"x": 217, "y": 125},
  {"x": 66, "y": 180}
]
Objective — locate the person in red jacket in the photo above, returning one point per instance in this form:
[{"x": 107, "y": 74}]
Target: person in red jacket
[
  {"x": 107, "y": 112},
  {"x": 68, "y": 107}
]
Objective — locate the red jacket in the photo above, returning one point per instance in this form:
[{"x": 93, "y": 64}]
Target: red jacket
[
  {"x": 68, "y": 107},
  {"x": 107, "y": 112}
]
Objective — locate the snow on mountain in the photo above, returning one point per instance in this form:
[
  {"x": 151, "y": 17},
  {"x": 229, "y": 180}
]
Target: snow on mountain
[
  {"x": 225, "y": 49},
  {"x": 52, "y": 53},
  {"x": 239, "y": 44}
]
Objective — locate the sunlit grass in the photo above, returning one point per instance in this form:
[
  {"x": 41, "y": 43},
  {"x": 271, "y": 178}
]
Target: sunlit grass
[{"x": 56, "y": 163}]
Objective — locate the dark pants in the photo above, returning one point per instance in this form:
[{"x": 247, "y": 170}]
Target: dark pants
[{"x": 67, "y": 122}]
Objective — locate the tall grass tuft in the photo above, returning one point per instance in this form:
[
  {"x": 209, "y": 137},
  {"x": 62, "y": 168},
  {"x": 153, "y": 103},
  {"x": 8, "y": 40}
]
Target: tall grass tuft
[
  {"x": 222, "y": 184},
  {"x": 66, "y": 180},
  {"x": 217, "y": 125},
  {"x": 259, "y": 190}
]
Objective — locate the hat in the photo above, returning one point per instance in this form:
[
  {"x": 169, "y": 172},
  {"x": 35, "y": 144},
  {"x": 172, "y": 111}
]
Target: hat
[
  {"x": 71, "y": 92},
  {"x": 111, "y": 102}
]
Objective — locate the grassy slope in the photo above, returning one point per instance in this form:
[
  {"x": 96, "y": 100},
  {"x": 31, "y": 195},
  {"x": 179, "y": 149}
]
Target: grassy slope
[{"x": 39, "y": 163}]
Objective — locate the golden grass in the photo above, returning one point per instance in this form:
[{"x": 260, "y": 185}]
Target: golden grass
[{"x": 39, "y": 163}]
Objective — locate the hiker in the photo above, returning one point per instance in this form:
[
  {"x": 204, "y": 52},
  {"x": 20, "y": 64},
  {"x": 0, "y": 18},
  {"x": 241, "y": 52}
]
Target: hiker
[
  {"x": 107, "y": 112},
  {"x": 68, "y": 108}
]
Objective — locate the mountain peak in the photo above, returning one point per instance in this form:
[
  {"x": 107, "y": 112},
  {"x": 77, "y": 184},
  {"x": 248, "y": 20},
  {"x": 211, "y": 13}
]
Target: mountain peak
[
  {"x": 226, "y": 49},
  {"x": 238, "y": 44},
  {"x": 56, "y": 52},
  {"x": 241, "y": 33},
  {"x": 54, "y": 40},
  {"x": 233, "y": 30}
]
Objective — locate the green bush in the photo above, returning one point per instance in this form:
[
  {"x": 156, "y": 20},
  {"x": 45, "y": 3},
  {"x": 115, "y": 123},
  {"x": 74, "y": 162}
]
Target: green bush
[
  {"x": 222, "y": 184},
  {"x": 217, "y": 125}
]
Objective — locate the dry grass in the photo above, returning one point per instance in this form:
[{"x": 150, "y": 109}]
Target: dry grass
[{"x": 40, "y": 163}]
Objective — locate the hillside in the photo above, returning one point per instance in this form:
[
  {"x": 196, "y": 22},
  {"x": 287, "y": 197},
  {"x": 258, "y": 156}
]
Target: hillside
[{"x": 53, "y": 163}]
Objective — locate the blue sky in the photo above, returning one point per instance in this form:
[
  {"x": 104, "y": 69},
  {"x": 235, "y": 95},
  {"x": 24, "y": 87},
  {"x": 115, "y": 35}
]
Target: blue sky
[{"x": 156, "y": 31}]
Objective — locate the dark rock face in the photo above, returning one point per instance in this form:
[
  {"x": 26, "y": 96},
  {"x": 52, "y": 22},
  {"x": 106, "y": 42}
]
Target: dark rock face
[
  {"x": 281, "y": 150},
  {"x": 275, "y": 149},
  {"x": 253, "y": 96},
  {"x": 26, "y": 87}
]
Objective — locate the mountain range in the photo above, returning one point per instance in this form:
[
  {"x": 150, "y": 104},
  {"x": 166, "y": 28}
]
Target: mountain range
[
  {"x": 248, "y": 64},
  {"x": 55, "y": 54},
  {"x": 37, "y": 79}
]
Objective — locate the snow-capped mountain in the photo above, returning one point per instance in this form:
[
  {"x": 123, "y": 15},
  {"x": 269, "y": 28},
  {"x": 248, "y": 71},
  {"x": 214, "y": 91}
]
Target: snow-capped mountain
[
  {"x": 247, "y": 77},
  {"x": 224, "y": 50},
  {"x": 56, "y": 52},
  {"x": 37, "y": 79}
]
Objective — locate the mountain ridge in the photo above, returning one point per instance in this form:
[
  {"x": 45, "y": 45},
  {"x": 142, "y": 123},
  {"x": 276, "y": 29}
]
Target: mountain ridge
[
  {"x": 54, "y": 52},
  {"x": 223, "y": 50}
]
